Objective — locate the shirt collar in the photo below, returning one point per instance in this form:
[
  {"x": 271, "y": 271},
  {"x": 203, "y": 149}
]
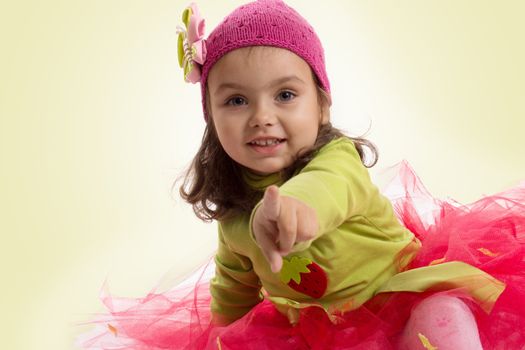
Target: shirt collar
[{"x": 260, "y": 182}]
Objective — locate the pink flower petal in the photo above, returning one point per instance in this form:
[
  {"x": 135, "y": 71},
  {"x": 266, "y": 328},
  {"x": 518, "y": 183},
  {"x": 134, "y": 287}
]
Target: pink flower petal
[
  {"x": 194, "y": 75},
  {"x": 199, "y": 55},
  {"x": 196, "y": 25}
]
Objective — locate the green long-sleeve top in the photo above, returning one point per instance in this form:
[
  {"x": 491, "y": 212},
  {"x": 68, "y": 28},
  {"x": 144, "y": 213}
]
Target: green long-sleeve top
[{"x": 360, "y": 244}]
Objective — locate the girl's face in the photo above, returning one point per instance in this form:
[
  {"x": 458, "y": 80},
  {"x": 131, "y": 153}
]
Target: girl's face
[{"x": 265, "y": 108}]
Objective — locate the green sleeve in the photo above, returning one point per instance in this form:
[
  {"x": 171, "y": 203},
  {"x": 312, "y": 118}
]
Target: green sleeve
[
  {"x": 334, "y": 183},
  {"x": 235, "y": 288}
]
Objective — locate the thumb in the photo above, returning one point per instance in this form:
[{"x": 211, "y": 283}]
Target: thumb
[{"x": 271, "y": 203}]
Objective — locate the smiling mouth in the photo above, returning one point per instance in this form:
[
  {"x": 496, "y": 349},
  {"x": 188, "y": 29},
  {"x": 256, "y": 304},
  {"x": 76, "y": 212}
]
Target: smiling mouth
[{"x": 266, "y": 143}]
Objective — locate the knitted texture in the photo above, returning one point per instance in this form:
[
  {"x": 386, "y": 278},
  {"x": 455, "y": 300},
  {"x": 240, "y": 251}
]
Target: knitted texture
[{"x": 265, "y": 23}]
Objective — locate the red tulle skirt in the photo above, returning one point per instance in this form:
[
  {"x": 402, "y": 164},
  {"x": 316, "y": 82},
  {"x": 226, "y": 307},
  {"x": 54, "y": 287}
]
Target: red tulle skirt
[{"x": 449, "y": 231}]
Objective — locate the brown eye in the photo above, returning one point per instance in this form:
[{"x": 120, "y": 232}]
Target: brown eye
[
  {"x": 236, "y": 101},
  {"x": 286, "y": 96}
]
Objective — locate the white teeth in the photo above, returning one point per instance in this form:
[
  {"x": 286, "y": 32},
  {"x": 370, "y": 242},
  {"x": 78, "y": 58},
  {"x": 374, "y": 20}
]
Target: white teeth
[{"x": 268, "y": 142}]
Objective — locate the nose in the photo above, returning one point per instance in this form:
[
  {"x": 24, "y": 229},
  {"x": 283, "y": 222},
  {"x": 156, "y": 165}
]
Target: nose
[{"x": 262, "y": 115}]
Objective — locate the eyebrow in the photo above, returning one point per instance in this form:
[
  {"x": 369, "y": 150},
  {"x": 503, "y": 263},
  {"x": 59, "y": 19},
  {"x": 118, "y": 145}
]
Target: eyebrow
[{"x": 230, "y": 85}]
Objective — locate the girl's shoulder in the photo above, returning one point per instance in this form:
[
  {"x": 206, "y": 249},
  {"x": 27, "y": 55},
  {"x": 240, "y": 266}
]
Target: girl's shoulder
[{"x": 339, "y": 143}]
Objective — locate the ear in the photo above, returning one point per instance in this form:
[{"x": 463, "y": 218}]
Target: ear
[{"x": 325, "y": 110}]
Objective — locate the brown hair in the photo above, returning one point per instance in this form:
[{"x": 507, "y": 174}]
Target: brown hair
[{"x": 213, "y": 183}]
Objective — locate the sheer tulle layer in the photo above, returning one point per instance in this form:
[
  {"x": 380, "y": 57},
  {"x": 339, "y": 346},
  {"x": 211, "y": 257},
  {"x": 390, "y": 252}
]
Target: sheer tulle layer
[{"x": 488, "y": 234}]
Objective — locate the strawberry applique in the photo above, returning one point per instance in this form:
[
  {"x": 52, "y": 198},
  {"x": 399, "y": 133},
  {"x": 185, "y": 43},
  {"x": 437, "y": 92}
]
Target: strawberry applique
[{"x": 304, "y": 276}]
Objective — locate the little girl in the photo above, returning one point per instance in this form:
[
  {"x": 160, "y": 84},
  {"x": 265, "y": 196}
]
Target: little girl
[{"x": 311, "y": 255}]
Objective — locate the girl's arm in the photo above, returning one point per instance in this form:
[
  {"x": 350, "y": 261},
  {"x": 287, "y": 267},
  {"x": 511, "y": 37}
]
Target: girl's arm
[
  {"x": 280, "y": 223},
  {"x": 235, "y": 289},
  {"x": 335, "y": 185}
]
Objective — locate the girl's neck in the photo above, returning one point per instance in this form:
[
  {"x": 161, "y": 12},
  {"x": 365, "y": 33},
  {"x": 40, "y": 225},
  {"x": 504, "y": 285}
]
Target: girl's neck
[{"x": 260, "y": 181}]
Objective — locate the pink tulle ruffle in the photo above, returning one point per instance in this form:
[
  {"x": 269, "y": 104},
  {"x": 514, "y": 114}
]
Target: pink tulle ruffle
[{"x": 488, "y": 234}]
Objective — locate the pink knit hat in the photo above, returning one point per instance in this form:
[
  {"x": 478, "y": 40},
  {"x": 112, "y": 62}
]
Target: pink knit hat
[{"x": 263, "y": 23}]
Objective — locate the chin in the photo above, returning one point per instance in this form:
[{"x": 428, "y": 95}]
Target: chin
[
  {"x": 269, "y": 169},
  {"x": 267, "y": 166}
]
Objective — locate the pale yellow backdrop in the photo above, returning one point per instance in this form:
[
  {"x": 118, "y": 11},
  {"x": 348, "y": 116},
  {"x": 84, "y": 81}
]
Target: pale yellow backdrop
[{"x": 96, "y": 123}]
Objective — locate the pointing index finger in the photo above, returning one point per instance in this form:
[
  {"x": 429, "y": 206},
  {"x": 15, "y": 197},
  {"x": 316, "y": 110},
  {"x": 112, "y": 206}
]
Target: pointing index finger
[{"x": 271, "y": 204}]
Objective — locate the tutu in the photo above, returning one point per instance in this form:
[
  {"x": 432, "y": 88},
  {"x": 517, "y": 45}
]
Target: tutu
[{"x": 488, "y": 234}]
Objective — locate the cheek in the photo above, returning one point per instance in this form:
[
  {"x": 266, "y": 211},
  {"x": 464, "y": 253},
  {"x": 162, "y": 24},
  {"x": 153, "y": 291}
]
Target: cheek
[
  {"x": 309, "y": 133},
  {"x": 227, "y": 135},
  {"x": 306, "y": 128}
]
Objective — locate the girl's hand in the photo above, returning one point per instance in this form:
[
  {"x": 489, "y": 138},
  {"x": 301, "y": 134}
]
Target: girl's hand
[{"x": 279, "y": 223}]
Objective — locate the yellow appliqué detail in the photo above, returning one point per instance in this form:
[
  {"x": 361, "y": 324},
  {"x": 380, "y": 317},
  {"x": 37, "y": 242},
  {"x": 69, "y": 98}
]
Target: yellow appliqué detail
[
  {"x": 349, "y": 305},
  {"x": 342, "y": 307},
  {"x": 426, "y": 342},
  {"x": 437, "y": 261},
  {"x": 336, "y": 311},
  {"x": 112, "y": 329},
  {"x": 407, "y": 254},
  {"x": 487, "y": 252}
]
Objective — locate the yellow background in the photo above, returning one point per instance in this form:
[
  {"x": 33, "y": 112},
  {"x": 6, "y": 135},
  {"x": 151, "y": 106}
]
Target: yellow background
[{"x": 96, "y": 123}]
